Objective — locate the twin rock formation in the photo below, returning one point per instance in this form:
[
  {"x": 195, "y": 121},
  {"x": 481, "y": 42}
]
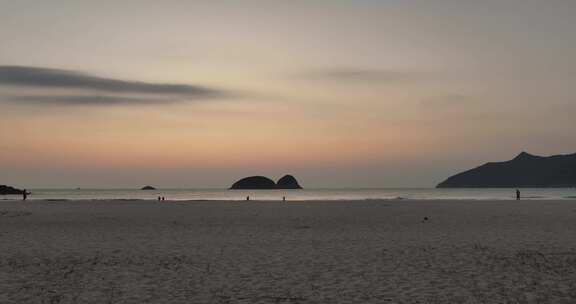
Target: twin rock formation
[
  {"x": 264, "y": 183},
  {"x": 525, "y": 170}
]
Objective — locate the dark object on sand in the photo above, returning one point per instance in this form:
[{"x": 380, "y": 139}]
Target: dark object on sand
[
  {"x": 148, "y": 188},
  {"x": 288, "y": 182},
  {"x": 517, "y": 194},
  {"x": 524, "y": 171},
  {"x": 254, "y": 182},
  {"x": 7, "y": 190}
]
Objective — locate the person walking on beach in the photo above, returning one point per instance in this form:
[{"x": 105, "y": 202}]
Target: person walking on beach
[
  {"x": 24, "y": 194},
  {"x": 517, "y": 194}
]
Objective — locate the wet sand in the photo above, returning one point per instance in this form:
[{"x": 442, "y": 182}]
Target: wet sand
[{"x": 294, "y": 252}]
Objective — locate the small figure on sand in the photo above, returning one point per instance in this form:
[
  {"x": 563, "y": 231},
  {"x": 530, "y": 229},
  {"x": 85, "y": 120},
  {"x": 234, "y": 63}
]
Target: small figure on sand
[
  {"x": 283, "y": 198},
  {"x": 517, "y": 194},
  {"x": 25, "y": 194},
  {"x": 248, "y": 198}
]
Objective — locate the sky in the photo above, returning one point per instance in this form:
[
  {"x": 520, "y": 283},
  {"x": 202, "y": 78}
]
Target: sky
[{"x": 363, "y": 93}]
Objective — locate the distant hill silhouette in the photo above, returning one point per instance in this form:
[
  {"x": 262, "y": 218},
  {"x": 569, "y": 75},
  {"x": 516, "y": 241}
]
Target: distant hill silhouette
[
  {"x": 525, "y": 170},
  {"x": 264, "y": 183},
  {"x": 147, "y": 188},
  {"x": 7, "y": 190}
]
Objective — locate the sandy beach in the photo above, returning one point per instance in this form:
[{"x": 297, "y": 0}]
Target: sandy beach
[{"x": 294, "y": 252}]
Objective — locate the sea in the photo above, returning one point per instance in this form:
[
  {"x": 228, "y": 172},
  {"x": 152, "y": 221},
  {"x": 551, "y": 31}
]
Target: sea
[{"x": 299, "y": 195}]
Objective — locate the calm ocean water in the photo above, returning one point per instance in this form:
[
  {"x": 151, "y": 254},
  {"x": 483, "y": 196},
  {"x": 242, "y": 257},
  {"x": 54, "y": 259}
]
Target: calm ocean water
[{"x": 298, "y": 195}]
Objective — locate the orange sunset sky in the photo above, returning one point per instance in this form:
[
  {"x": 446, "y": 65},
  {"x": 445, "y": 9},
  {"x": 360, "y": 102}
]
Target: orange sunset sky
[{"x": 338, "y": 93}]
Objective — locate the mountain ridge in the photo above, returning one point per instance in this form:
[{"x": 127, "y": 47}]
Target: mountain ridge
[{"x": 524, "y": 170}]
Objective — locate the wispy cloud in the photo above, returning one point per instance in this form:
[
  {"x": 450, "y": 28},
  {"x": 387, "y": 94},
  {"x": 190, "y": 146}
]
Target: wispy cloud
[
  {"x": 355, "y": 75},
  {"x": 99, "y": 88},
  {"x": 451, "y": 101}
]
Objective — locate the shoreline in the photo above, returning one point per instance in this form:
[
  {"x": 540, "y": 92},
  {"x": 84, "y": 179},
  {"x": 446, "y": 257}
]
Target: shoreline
[
  {"x": 300, "y": 195},
  {"x": 567, "y": 199}
]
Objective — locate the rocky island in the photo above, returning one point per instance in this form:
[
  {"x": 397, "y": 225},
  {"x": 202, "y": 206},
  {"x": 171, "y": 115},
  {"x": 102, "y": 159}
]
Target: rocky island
[
  {"x": 265, "y": 183},
  {"x": 254, "y": 182},
  {"x": 7, "y": 190},
  {"x": 524, "y": 171},
  {"x": 288, "y": 182}
]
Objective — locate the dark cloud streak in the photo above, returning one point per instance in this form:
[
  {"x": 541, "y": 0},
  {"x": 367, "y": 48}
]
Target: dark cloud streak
[
  {"x": 66, "y": 79},
  {"x": 85, "y": 100}
]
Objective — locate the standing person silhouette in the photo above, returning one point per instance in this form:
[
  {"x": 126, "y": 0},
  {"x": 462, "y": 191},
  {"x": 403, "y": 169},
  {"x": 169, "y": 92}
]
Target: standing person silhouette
[
  {"x": 517, "y": 194},
  {"x": 24, "y": 194}
]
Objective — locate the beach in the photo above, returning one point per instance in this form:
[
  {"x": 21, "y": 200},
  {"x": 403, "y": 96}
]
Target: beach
[{"x": 372, "y": 251}]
